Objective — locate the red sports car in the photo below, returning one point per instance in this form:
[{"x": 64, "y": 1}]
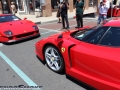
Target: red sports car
[
  {"x": 90, "y": 55},
  {"x": 14, "y": 29}
]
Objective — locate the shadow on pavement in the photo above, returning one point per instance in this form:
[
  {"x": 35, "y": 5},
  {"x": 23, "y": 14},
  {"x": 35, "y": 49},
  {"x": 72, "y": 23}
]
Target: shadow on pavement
[{"x": 81, "y": 84}]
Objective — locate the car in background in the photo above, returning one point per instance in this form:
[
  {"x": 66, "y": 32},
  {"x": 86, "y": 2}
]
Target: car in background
[
  {"x": 13, "y": 29},
  {"x": 89, "y": 54}
]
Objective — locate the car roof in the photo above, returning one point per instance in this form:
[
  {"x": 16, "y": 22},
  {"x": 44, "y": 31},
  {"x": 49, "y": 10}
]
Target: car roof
[
  {"x": 113, "y": 23},
  {"x": 5, "y": 14}
]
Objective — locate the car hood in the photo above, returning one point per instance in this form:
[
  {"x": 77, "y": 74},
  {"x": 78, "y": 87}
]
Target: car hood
[{"x": 17, "y": 27}]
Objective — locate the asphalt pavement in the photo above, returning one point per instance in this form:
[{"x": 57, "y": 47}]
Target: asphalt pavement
[{"x": 20, "y": 66}]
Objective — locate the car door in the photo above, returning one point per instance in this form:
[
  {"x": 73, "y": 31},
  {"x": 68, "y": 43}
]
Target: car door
[{"x": 100, "y": 61}]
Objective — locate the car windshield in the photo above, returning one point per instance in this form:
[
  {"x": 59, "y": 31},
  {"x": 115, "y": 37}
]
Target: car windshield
[
  {"x": 80, "y": 35},
  {"x": 8, "y": 18}
]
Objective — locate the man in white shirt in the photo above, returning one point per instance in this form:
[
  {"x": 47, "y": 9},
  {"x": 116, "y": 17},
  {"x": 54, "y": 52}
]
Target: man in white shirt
[{"x": 103, "y": 9}]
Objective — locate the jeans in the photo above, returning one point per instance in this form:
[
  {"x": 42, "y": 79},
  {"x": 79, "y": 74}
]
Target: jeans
[
  {"x": 65, "y": 18},
  {"x": 101, "y": 17}
]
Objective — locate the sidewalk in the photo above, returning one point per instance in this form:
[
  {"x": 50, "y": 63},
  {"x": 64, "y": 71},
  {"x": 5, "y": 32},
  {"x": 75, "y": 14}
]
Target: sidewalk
[{"x": 41, "y": 20}]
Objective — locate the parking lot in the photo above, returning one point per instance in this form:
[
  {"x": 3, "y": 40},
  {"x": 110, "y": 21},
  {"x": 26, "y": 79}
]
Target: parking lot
[{"x": 20, "y": 66}]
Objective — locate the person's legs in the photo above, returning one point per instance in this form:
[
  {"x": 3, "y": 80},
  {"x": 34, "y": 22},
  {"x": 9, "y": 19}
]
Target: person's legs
[
  {"x": 81, "y": 19},
  {"x": 99, "y": 19},
  {"x": 63, "y": 21},
  {"x": 104, "y": 18},
  {"x": 67, "y": 23},
  {"x": 13, "y": 12},
  {"x": 59, "y": 18},
  {"x": 78, "y": 21}
]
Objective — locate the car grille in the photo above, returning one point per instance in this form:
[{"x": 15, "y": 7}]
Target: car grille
[{"x": 24, "y": 35}]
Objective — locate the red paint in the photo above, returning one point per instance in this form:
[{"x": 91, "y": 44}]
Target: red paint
[
  {"x": 21, "y": 29},
  {"x": 95, "y": 65}
]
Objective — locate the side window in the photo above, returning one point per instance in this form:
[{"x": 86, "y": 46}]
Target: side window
[
  {"x": 112, "y": 37},
  {"x": 94, "y": 39}
]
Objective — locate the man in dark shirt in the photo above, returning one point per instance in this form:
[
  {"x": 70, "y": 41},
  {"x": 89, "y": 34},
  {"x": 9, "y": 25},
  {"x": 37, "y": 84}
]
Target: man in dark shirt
[
  {"x": 64, "y": 14},
  {"x": 79, "y": 13}
]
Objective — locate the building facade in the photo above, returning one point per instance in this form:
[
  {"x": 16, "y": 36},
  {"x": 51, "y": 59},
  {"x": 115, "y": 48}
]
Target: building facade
[{"x": 47, "y": 6}]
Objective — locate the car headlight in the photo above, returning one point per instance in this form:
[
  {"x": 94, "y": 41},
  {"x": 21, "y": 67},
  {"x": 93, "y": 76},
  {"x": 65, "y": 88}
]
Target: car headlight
[
  {"x": 9, "y": 33},
  {"x": 35, "y": 27}
]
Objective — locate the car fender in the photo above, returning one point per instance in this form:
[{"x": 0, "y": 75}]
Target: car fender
[{"x": 64, "y": 48}]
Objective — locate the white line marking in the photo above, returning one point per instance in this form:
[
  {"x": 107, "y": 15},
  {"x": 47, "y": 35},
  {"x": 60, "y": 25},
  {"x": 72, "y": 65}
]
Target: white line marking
[
  {"x": 19, "y": 71},
  {"x": 1, "y": 44},
  {"x": 46, "y": 32},
  {"x": 56, "y": 30}
]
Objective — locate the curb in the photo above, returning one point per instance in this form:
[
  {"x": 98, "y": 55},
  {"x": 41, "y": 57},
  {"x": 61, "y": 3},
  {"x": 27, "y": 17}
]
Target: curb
[
  {"x": 70, "y": 18},
  {"x": 85, "y": 18},
  {"x": 54, "y": 21}
]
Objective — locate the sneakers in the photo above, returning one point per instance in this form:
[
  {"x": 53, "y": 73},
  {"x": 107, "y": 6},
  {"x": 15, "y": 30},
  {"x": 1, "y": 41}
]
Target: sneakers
[
  {"x": 78, "y": 27},
  {"x": 63, "y": 28},
  {"x": 59, "y": 22},
  {"x": 67, "y": 28}
]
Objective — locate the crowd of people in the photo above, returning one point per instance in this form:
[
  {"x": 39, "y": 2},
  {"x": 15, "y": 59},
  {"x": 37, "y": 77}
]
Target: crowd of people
[
  {"x": 62, "y": 13},
  {"x": 63, "y": 7}
]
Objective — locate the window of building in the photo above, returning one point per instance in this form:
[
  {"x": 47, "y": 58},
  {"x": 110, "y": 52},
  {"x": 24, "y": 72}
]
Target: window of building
[
  {"x": 21, "y": 5},
  {"x": 37, "y": 4},
  {"x": 5, "y": 6},
  {"x": 31, "y": 5},
  {"x": 92, "y": 3},
  {"x": 54, "y": 5},
  {"x": 114, "y": 2}
]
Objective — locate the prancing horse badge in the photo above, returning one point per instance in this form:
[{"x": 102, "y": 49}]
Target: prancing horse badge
[{"x": 63, "y": 49}]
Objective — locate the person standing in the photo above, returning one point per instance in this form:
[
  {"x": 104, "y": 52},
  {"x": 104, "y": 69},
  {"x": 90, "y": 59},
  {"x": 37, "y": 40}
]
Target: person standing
[
  {"x": 59, "y": 12},
  {"x": 79, "y": 6},
  {"x": 64, "y": 14},
  {"x": 13, "y": 8},
  {"x": 103, "y": 9}
]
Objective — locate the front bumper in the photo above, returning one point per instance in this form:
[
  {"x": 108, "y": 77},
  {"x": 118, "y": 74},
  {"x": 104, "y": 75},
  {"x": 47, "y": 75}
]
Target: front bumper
[{"x": 23, "y": 38}]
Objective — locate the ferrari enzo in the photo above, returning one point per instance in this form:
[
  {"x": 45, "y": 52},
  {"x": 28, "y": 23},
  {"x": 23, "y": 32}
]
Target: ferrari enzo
[
  {"x": 89, "y": 54},
  {"x": 14, "y": 29}
]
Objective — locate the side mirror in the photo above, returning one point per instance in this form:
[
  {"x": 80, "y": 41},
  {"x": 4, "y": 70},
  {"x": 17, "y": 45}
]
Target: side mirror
[
  {"x": 59, "y": 38},
  {"x": 25, "y": 18}
]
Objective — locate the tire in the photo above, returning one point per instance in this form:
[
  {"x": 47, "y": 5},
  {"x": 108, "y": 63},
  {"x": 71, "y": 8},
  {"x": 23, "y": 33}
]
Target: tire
[{"x": 54, "y": 59}]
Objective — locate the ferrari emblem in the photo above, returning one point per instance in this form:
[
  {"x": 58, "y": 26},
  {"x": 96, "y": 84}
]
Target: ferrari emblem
[{"x": 63, "y": 49}]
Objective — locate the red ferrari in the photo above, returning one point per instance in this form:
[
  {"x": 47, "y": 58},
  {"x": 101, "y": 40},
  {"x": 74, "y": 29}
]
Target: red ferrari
[
  {"x": 13, "y": 29},
  {"x": 90, "y": 55}
]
